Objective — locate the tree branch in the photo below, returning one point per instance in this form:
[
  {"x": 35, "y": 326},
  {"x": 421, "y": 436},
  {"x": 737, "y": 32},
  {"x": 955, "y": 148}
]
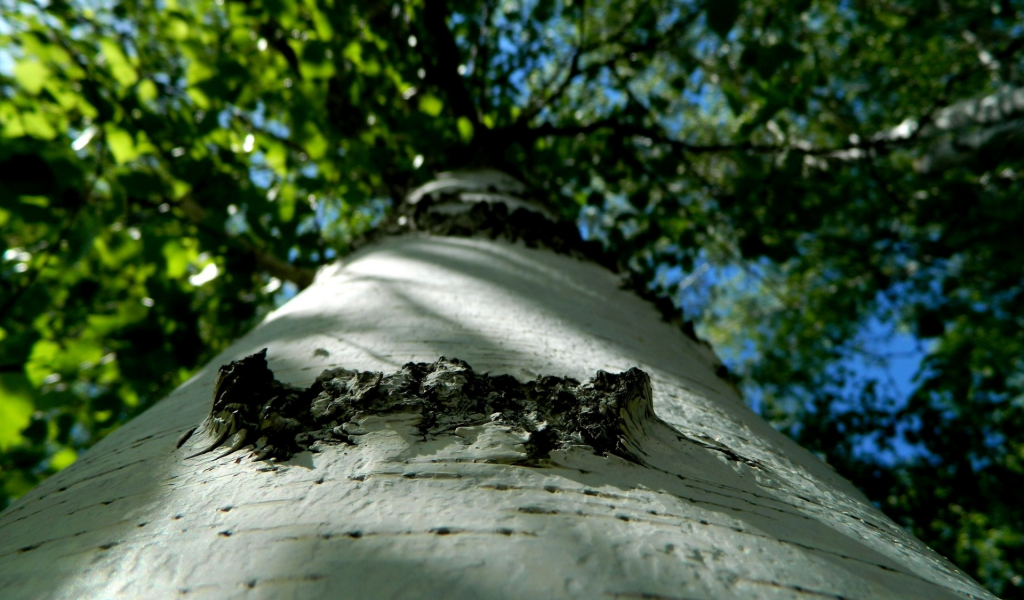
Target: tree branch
[
  {"x": 285, "y": 271},
  {"x": 535, "y": 106},
  {"x": 275, "y": 36},
  {"x": 441, "y": 56},
  {"x": 265, "y": 261},
  {"x": 482, "y": 56},
  {"x": 527, "y": 134}
]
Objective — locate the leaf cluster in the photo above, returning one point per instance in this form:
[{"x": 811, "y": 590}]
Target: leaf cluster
[{"x": 792, "y": 173}]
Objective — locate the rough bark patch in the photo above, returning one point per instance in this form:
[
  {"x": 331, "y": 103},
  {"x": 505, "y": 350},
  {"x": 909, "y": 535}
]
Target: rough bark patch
[{"x": 253, "y": 410}]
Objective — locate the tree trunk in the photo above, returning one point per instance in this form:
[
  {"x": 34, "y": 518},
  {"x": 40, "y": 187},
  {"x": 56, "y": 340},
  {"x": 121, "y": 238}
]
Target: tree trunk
[{"x": 427, "y": 496}]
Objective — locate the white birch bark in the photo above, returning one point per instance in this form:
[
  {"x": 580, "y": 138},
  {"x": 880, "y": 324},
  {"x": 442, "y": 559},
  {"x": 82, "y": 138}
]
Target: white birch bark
[
  {"x": 720, "y": 506},
  {"x": 957, "y": 134}
]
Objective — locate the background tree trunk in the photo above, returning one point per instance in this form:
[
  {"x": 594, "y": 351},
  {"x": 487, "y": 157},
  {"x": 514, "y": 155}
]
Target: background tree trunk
[{"x": 710, "y": 502}]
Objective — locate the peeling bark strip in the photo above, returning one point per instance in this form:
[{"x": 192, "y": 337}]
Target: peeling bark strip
[
  {"x": 447, "y": 214},
  {"x": 252, "y": 409}
]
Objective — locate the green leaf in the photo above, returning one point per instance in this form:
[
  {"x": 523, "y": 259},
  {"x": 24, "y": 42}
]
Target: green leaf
[
  {"x": 431, "y": 105},
  {"x": 63, "y": 458},
  {"x": 120, "y": 68},
  {"x": 177, "y": 29},
  {"x": 31, "y": 75},
  {"x": 147, "y": 91},
  {"x": 199, "y": 97},
  {"x": 371, "y": 67},
  {"x": 354, "y": 52},
  {"x": 277, "y": 157},
  {"x": 315, "y": 143},
  {"x": 65, "y": 357},
  {"x": 465, "y": 129},
  {"x": 178, "y": 258},
  {"x": 286, "y": 203},
  {"x": 722, "y": 15},
  {"x": 200, "y": 68},
  {"x": 320, "y": 21},
  {"x": 37, "y": 125},
  {"x": 11, "y": 120},
  {"x": 15, "y": 408},
  {"x": 121, "y": 144}
]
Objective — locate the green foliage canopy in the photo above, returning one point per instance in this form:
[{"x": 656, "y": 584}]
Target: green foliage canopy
[{"x": 170, "y": 170}]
